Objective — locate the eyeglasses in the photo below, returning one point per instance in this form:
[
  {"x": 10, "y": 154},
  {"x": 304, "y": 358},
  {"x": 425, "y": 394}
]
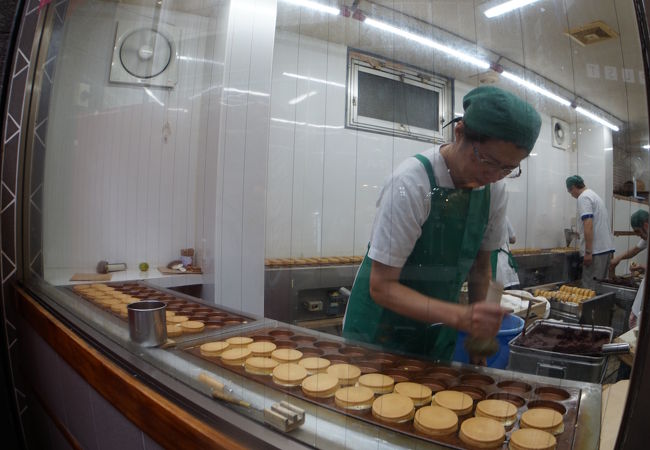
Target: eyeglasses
[{"x": 507, "y": 171}]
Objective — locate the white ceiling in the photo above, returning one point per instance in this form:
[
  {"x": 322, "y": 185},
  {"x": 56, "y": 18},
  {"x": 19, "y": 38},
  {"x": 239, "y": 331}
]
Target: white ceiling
[{"x": 532, "y": 37}]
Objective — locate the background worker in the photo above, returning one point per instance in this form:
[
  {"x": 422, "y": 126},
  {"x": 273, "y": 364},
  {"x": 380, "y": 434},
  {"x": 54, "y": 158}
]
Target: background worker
[
  {"x": 596, "y": 241},
  {"x": 504, "y": 266}
]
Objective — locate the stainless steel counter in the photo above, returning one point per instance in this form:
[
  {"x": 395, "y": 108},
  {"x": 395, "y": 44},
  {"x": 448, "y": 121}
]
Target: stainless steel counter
[{"x": 175, "y": 373}]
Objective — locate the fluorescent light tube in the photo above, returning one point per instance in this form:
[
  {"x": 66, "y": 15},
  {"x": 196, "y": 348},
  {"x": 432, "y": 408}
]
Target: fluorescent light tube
[
  {"x": 427, "y": 42},
  {"x": 592, "y": 116},
  {"x": 315, "y": 80},
  {"x": 506, "y": 7},
  {"x": 315, "y": 6},
  {"x": 533, "y": 87}
]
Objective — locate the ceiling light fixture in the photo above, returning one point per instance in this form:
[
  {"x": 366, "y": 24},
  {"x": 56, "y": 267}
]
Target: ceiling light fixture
[
  {"x": 315, "y": 80},
  {"x": 497, "y": 10},
  {"x": 506, "y": 7},
  {"x": 533, "y": 87},
  {"x": 427, "y": 42},
  {"x": 315, "y": 5},
  {"x": 647, "y": 147},
  {"x": 592, "y": 116}
]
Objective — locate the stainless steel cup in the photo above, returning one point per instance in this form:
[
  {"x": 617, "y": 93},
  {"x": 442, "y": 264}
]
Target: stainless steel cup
[{"x": 147, "y": 323}]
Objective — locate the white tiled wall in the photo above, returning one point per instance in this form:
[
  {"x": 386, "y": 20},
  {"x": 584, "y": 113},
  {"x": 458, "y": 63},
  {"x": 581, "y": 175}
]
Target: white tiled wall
[
  {"x": 324, "y": 179},
  {"x": 126, "y": 176}
]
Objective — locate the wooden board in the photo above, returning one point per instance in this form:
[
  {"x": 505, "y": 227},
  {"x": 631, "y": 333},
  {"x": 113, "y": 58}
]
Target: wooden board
[
  {"x": 614, "y": 397},
  {"x": 168, "y": 271},
  {"x": 91, "y": 277}
]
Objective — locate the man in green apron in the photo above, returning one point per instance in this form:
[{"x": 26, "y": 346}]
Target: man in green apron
[{"x": 439, "y": 216}]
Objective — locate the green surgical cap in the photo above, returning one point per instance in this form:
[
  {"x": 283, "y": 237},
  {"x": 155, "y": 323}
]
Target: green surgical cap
[
  {"x": 639, "y": 218},
  {"x": 574, "y": 180},
  {"x": 498, "y": 114}
]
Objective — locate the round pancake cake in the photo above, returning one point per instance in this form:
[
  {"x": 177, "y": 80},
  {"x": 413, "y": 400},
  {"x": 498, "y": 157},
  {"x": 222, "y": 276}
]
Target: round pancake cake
[
  {"x": 260, "y": 365},
  {"x": 285, "y": 355},
  {"x": 174, "y": 331},
  {"x": 395, "y": 408},
  {"x": 262, "y": 348},
  {"x": 419, "y": 393},
  {"x": 213, "y": 348},
  {"x": 481, "y": 432},
  {"x": 532, "y": 439},
  {"x": 192, "y": 326},
  {"x": 346, "y": 373},
  {"x": 235, "y": 356},
  {"x": 545, "y": 419},
  {"x": 315, "y": 365},
  {"x": 435, "y": 421},
  {"x": 354, "y": 397},
  {"x": 321, "y": 385},
  {"x": 177, "y": 319},
  {"x": 239, "y": 341},
  {"x": 289, "y": 374},
  {"x": 457, "y": 401},
  {"x": 499, "y": 410},
  {"x": 380, "y": 384}
]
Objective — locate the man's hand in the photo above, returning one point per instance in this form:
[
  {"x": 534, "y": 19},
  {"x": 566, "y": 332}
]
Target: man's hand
[
  {"x": 482, "y": 320},
  {"x": 588, "y": 259},
  {"x": 614, "y": 262}
]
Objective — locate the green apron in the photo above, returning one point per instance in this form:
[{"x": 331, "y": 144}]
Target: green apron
[
  {"x": 437, "y": 267},
  {"x": 494, "y": 259}
]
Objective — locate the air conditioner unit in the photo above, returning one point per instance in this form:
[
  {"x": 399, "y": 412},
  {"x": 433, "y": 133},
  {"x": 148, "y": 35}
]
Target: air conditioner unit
[
  {"x": 145, "y": 55},
  {"x": 560, "y": 135}
]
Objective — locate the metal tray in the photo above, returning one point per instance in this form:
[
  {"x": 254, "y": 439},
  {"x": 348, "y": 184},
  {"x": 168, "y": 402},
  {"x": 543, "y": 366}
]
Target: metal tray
[
  {"x": 479, "y": 383},
  {"x": 558, "y": 364}
]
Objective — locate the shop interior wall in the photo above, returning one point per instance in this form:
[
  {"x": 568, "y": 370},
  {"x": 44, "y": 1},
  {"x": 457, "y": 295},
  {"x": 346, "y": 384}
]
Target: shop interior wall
[
  {"x": 324, "y": 179},
  {"x": 128, "y": 167}
]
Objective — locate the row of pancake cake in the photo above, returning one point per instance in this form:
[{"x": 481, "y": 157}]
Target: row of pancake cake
[
  {"x": 316, "y": 261},
  {"x": 566, "y": 294},
  {"x": 109, "y": 298},
  {"x": 445, "y": 413}
]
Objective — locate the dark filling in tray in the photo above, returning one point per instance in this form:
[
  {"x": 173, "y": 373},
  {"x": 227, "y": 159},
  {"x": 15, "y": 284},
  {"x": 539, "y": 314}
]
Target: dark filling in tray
[
  {"x": 564, "y": 340},
  {"x": 213, "y": 318},
  {"x": 435, "y": 375}
]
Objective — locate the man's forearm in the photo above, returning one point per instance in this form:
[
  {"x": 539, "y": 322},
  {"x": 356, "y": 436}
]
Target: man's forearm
[{"x": 589, "y": 235}]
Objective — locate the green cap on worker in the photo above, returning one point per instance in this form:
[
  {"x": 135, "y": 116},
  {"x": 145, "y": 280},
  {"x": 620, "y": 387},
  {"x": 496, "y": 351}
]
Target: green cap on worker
[
  {"x": 574, "y": 180},
  {"x": 639, "y": 218},
  {"x": 498, "y": 114}
]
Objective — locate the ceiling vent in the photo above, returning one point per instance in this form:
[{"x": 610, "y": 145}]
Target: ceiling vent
[{"x": 592, "y": 33}]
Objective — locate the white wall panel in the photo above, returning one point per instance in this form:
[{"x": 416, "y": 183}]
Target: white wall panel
[
  {"x": 242, "y": 156},
  {"x": 114, "y": 188}
]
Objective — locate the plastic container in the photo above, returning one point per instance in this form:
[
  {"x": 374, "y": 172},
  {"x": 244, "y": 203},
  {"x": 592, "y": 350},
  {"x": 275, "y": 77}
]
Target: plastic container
[{"x": 511, "y": 326}]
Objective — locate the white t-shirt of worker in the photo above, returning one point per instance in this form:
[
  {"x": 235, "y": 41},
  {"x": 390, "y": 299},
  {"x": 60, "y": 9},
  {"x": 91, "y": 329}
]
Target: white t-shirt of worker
[
  {"x": 403, "y": 207},
  {"x": 642, "y": 244},
  {"x": 637, "y": 306},
  {"x": 506, "y": 274},
  {"x": 590, "y": 205}
]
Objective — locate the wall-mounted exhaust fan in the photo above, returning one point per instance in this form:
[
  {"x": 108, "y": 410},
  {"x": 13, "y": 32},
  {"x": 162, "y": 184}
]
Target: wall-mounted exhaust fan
[
  {"x": 560, "y": 134},
  {"x": 145, "y": 55}
]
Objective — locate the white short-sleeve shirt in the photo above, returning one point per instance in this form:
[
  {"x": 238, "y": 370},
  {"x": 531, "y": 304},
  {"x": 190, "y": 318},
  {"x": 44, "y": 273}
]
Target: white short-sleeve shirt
[
  {"x": 590, "y": 205},
  {"x": 403, "y": 207},
  {"x": 642, "y": 244}
]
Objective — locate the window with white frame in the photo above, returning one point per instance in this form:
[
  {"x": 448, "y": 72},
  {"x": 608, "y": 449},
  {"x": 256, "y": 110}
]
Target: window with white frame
[{"x": 389, "y": 98}]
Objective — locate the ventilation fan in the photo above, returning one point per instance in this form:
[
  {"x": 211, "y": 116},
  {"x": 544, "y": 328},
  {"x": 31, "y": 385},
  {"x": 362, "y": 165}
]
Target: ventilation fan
[
  {"x": 560, "y": 134},
  {"x": 145, "y": 55}
]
